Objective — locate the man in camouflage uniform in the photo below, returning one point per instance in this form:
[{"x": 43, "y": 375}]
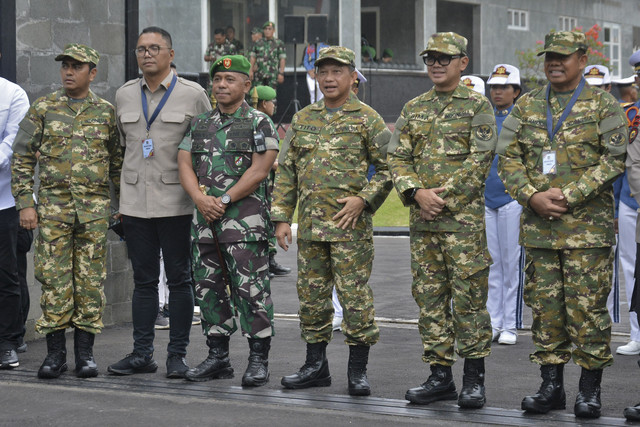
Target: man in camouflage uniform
[
  {"x": 75, "y": 134},
  {"x": 224, "y": 161},
  {"x": 216, "y": 50},
  {"x": 267, "y": 58},
  {"x": 230, "y": 33},
  {"x": 560, "y": 150},
  {"x": 323, "y": 168},
  {"x": 439, "y": 156}
]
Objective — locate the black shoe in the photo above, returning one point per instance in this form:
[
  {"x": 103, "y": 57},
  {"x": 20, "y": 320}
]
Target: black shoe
[
  {"x": 9, "y": 359},
  {"x": 176, "y": 365},
  {"x": 314, "y": 372},
  {"x": 632, "y": 413},
  {"x": 56, "y": 361},
  {"x": 83, "y": 348},
  {"x": 22, "y": 346},
  {"x": 357, "y": 370},
  {"x": 588, "y": 400},
  {"x": 216, "y": 365},
  {"x": 257, "y": 372},
  {"x": 439, "y": 386},
  {"x": 551, "y": 394},
  {"x": 277, "y": 269},
  {"x": 472, "y": 395},
  {"x": 134, "y": 363}
]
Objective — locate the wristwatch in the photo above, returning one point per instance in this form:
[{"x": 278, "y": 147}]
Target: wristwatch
[{"x": 225, "y": 198}]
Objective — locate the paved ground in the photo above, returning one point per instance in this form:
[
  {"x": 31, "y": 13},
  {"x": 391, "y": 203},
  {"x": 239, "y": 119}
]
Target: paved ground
[{"x": 395, "y": 365}]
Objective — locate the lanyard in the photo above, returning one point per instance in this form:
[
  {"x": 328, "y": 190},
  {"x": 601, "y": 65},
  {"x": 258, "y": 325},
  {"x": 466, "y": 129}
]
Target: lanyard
[
  {"x": 145, "y": 109},
  {"x": 552, "y": 131}
]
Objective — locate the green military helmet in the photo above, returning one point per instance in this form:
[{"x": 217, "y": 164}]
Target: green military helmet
[
  {"x": 564, "y": 42},
  {"x": 231, "y": 63},
  {"x": 337, "y": 53},
  {"x": 80, "y": 53},
  {"x": 448, "y": 43}
]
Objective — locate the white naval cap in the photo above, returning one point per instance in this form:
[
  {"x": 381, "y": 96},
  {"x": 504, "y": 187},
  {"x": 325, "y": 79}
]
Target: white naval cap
[
  {"x": 597, "y": 75},
  {"x": 504, "y": 74},
  {"x": 474, "y": 83},
  {"x": 361, "y": 78}
]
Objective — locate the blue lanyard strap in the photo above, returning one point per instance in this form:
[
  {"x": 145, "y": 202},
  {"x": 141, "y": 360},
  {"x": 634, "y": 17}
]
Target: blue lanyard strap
[
  {"x": 552, "y": 131},
  {"x": 145, "y": 109}
]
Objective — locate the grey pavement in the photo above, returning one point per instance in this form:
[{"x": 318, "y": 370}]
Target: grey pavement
[{"x": 395, "y": 365}]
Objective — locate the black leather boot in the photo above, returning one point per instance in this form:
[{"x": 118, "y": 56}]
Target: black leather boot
[
  {"x": 83, "y": 350},
  {"x": 472, "y": 394},
  {"x": 357, "y": 370},
  {"x": 56, "y": 361},
  {"x": 588, "y": 399},
  {"x": 216, "y": 365},
  {"x": 551, "y": 394},
  {"x": 314, "y": 372},
  {"x": 257, "y": 372},
  {"x": 277, "y": 269},
  {"x": 439, "y": 386}
]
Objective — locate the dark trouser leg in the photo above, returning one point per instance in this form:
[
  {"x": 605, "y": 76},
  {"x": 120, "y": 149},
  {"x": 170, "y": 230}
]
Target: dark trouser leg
[
  {"x": 10, "y": 318},
  {"x": 25, "y": 238}
]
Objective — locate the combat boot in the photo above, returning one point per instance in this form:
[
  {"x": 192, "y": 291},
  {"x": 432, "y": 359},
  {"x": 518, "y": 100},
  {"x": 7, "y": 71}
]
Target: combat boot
[
  {"x": 439, "y": 386},
  {"x": 472, "y": 394},
  {"x": 588, "y": 399},
  {"x": 551, "y": 394},
  {"x": 257, "y": 372},
  {"x": 357, "y": 370},
  {"x": 56, "y": 361},
  {"x": 216, "y": 365},
  {"x": 276, "y": 269},
  {"x": 314, "y": 372},
  {"x": 83, "y": 350}
]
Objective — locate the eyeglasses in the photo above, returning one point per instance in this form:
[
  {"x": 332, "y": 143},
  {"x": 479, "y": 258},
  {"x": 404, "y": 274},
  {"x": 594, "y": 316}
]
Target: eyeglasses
[
  {"x": 153, "y": 50},
  {"x": 443, "y": 60}
]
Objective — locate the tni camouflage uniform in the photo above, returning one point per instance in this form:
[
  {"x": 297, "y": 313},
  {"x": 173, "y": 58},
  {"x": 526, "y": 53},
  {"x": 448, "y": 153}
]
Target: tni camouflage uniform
[{"x": 268, "y": 54}]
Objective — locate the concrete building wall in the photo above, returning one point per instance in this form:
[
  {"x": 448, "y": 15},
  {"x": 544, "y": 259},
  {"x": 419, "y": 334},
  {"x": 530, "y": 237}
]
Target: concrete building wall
[{"x": 43, "y": 28}]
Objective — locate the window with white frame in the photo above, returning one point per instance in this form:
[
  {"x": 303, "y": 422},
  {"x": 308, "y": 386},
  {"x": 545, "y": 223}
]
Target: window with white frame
[
  {"x": 567, "y": 23},
  {"x": 518, "y": 19},
  {"x": 611, "y": 41}
]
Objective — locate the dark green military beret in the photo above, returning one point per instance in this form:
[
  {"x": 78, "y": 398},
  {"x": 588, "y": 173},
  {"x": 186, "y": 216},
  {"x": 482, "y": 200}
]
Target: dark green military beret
[{"x": 231, "y": 63}]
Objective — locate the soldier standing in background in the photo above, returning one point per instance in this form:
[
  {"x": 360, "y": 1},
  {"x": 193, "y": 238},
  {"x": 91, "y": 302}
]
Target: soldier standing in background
[
  {"x": 224, "y": 161},
  {"x": 560, "y": 150},
  {"x": 75, "y": 133},
  {"x": 230, "y": 33},
  {"x": 323, "y": 170},
  {"x": 267, "y": 58},
  {"x": 439, "y": 156}
]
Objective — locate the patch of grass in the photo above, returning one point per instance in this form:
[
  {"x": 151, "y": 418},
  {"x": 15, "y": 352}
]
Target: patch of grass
[{"x": 392, "y": 213}]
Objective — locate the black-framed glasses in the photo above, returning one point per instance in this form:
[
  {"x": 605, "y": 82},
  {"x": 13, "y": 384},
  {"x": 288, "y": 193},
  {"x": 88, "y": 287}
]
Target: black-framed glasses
[
  {"x": 153, "y": 50},
  {"x": 443, "y": 60}
]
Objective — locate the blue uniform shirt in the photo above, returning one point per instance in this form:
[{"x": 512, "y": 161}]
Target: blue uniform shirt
[
  {"x": 495, "y": 194},
  {"x": 310, "y": 55}
]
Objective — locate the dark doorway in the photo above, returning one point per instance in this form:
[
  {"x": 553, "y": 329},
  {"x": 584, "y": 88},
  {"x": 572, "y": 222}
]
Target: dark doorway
[{"x": 459, "y": 18}]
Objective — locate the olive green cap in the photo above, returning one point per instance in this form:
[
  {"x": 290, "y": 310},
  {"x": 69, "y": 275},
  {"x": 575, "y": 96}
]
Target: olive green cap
[
  {"x": 564, "y": 42},
  {"x": 80, "y": 53},
  {"x": 231, "y": 63},
  {"x": 266, "y": 24},
  {"x": 448, "y": 43},
  {"x": 265, "y": 93},
  {"x": 337, "y": 53},
  {"x": 387, "y": 52}
]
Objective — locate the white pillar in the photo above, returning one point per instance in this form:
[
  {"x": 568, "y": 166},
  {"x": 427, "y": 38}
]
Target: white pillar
[
  {"x": 350, "y": 33},
  {"x": 204, "y": 31}
]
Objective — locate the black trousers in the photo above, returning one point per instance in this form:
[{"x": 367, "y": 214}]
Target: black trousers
[
  {"x": 25, "y": 239},
  {"x": 635, "y": 297},
  {"x": 145, "y": 238},
  {"x": 10, "y": 313}
]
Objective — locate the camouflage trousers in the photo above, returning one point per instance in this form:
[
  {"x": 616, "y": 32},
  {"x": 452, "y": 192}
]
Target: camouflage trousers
[
  {"x": 567, "y": 291},
  {"x": 70, "y": 263},
  {"x": 450, "y": 285},
  {"x": 249, "y": 295},
  {"x": 347, "y": 266}
]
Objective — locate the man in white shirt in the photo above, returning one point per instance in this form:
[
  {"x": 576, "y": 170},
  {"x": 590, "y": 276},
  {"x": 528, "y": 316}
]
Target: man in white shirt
[{"x": 14, "y": 104}]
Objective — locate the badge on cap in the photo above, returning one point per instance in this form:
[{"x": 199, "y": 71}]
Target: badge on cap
[
  {"x": 500, "y": 72},
  {"x": 467, "y": 82},
  {"x": 226, "y": 63},
  {"x": 595, "y": 72}
]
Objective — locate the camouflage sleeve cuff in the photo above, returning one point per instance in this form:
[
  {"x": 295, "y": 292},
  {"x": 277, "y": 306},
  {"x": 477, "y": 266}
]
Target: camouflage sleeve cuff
[
  {"x": 280, "y": 217},
  {"x": 573, "y": 194},
  {"x": 525, "y": 194},
  {"x": 25, "y": 201}
]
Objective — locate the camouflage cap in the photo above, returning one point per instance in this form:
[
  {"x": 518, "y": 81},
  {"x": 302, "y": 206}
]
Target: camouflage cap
[
  {"x": 448, "y": 43},
  {"x": 265, "y": 93},
  {"x": 80, "y": 53},
  {"x": 564, "y": 42},
  {"x": 231, "y": 63},
  {"x": 256, "y": 30},
  {"x": 337, "y": 53}
]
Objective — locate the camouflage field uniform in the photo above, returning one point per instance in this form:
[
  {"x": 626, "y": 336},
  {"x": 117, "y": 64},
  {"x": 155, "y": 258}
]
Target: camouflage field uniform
[
  {"x": 268, "y": 54},
  {"x": 326, "y": 157},
  {"x": 79, "y": 152},
  {"x": 447, "y": 140},
  {"x": 222, "y": 147},
  {"x": 569, "y": 259}
]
